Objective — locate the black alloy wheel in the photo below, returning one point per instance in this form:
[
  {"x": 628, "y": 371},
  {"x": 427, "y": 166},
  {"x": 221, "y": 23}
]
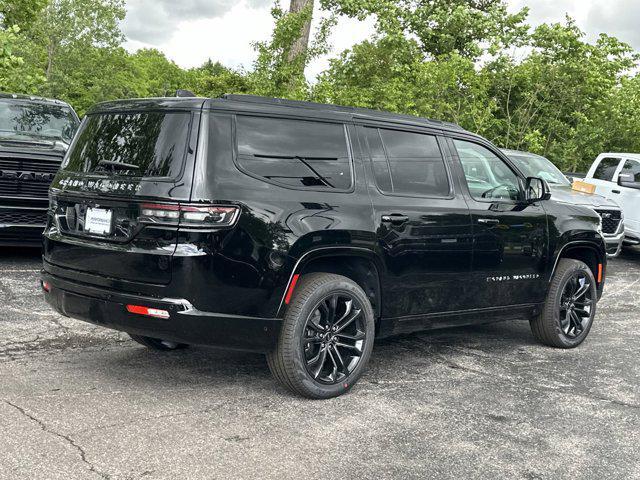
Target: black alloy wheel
[
  {"x": 326, "y": 338},
  {"x": 334, "y": 337},
  {"x": 570, "y": 308},
  {"x": 576, "y": 305}
]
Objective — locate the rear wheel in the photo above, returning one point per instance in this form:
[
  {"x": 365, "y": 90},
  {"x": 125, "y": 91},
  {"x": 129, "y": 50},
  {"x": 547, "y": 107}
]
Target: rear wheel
[
  {"x": 326, "y": 338},
  {"x": 157, "y": 344},
  {"x": 570, "y": 307}
]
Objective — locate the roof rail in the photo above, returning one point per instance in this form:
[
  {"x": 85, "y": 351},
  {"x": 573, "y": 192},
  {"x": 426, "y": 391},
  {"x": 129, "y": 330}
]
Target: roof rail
[{"x": 328, "y": 106}]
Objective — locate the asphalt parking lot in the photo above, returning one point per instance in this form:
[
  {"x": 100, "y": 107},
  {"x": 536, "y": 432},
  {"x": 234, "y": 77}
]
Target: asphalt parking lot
[{"x": 78, "y": 401}]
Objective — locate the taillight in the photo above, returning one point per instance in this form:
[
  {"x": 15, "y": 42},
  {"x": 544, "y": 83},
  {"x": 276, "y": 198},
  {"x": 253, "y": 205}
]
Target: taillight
[
  {"x": 210, "y": 215},
  {"x": 188, "y": 215}
]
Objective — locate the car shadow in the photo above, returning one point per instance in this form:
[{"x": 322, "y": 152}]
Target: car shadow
[
  {"x": 205, "y": 367},
  {"x": 20, "y": 254},
  {"x": 630, "y": 253}
]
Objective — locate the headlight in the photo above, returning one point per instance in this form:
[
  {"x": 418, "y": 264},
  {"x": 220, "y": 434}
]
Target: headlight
[{"x": 599, "y": 224}]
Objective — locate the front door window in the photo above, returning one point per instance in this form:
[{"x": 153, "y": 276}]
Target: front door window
[{"x": 488, "y": 177}]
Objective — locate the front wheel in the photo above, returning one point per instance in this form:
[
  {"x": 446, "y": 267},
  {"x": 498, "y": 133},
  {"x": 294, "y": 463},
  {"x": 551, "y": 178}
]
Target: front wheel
[
  {"x": 570, "y": 306},
  {"x": 326, "y": 338}
]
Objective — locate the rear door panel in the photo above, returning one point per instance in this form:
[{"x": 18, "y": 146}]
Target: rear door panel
[{"x": 427, "y": 256}]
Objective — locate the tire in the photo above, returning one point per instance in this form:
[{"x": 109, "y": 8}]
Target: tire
[
  {"x": 556, "y": 326},
  {"x": 157, "y": 344},
  {"x": 307, "y": 330}
]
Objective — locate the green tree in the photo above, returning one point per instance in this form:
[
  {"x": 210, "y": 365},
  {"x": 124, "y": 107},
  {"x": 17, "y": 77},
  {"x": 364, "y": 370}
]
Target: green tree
[
  {"x": 19, "y": 12},
  {"x": 558, "y": 101},
  {"x": 213, "y": 79},
  {"x": 390, "y": 74},
  {"x": 279, "y": 68},
  {"x": 159, "y": 76},
  {"x": 65, "y": 27},
  {"x": 441, "y": 27}
]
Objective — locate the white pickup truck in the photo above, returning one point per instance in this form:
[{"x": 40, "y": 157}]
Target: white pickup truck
[{"x": 617, "y": 177}]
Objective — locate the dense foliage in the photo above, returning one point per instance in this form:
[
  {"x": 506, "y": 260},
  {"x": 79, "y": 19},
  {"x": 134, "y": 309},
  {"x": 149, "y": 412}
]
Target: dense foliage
[{"x": 546, "y": 89}]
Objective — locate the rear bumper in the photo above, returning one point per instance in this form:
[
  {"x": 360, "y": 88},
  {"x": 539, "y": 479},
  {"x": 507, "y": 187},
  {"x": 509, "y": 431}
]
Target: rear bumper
[{"x": 185, "y": 324}]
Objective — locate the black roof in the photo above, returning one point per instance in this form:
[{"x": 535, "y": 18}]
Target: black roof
[
  {"x": 33, "y": 98},
  {"x": 258, "y": 104},
  {"x": 161, "y": 103},
  {"x": 356, "y": 112}
]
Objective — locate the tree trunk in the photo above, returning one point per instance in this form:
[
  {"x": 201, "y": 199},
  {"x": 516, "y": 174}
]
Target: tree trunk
[
  {"x": 50, "y": 54},
  {"x": 300, "y": 46}
]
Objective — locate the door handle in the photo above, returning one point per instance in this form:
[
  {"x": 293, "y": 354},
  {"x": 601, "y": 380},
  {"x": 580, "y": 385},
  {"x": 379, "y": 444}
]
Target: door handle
[
  {"x": 615, "y": 191},
  {"x": 489, "y": 221},
  {"x": 395, "y": 218}
]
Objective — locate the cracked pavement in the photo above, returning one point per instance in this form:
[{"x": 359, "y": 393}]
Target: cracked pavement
[{"x": 79, "y": 401}]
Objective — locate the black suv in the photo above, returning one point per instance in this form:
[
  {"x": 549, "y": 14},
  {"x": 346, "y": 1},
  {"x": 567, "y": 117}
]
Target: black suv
[
  {"x": 34, "y": 135},
  {"x": 305, "y": 231}
]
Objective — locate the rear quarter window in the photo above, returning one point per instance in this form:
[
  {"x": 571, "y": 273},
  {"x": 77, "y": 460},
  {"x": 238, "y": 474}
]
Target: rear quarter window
[{"x": 294, "y": 153}]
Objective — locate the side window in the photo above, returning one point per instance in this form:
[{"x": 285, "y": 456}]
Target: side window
[
  {"x": 407, "y": 163},
  {"x": 488, "y": 177},
  {"x": 296, "y": 153},
  {"x": 632, "y": 167},
  {"x": 606, "y": 169},
  {"x": 379, "y": 161}
]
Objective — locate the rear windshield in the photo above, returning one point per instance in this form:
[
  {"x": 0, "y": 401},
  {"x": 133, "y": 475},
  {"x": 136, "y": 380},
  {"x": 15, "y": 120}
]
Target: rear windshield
[{"x": 149, "y": 144}]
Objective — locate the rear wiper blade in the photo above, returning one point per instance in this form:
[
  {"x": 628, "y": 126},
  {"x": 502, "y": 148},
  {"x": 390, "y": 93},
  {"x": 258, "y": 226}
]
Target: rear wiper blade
[{"x": 117, "y": 165}]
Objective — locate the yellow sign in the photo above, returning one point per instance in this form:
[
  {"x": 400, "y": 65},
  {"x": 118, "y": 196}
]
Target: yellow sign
[{"x": 583, "y": 187}]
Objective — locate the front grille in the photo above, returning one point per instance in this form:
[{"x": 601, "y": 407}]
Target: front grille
[
  {"x": 26, "y": 177},
  {"x": 23, "y": 218},
  {"x": 23, "y": 188},
  {"x": 29, "y": 165},
  {"x": 610, "y": 220}
]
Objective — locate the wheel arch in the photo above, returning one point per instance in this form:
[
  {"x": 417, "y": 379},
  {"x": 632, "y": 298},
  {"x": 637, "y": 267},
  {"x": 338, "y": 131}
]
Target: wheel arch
[
  {"x": 358, "y": 264},
  {"x": 590, "y": 253}
]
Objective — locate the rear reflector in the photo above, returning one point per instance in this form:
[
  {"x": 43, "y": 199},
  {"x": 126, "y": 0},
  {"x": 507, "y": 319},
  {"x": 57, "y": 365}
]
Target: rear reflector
[
  {"x": 149, "y": 312},
  {"x": 292, "y": 286},
  {"x": 46, "y": 286}
]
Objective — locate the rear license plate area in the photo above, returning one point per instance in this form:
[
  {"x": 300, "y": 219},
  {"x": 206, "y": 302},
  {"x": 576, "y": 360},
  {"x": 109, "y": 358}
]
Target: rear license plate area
[{"x": 98, "y": 221}]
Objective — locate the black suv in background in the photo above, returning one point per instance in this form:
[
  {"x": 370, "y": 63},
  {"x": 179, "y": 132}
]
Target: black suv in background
[
  {"x": 304, "y": 231},
  {"x": 35, "y": 133}
]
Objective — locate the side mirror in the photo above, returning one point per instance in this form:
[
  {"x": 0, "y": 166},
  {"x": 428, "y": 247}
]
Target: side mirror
[
  {"x": 537, "y": 190},
  {"x": 628, "y": 180}
]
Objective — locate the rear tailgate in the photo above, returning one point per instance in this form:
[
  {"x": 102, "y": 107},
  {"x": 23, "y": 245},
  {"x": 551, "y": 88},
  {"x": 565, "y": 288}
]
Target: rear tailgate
[{"x": 118, "y": 164}]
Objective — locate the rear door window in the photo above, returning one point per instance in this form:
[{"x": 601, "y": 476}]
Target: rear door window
[
  {"x": 407, "y": 163},
  {"x": 296, "y": 153},
  {"x": 606, "y": 169},
  {"x": 632, "y": 167},
  {"x": 144, "y": 144}
]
